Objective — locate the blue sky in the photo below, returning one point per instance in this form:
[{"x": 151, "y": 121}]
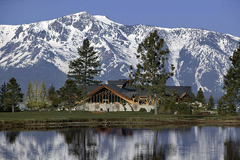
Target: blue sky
[{"x": 217, "y": 15}]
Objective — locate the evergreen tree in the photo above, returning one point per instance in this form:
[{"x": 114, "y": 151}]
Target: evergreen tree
[
  {"x": 200, "y": 96},
  {"x": 151, "y": 74},
  {"x": 2, "y": 94},
  {"x": 222, "y": 106},
  {"x": 232, "y": 82},
  {"x": 85, "y": 67},
  {"x": 68, "y": 94},
  {"x": 193, "y": 97},
  {"x": 13, "y": 95},
  {"x": 52, "y": 97},
  {"x": 210, "y": 103}
]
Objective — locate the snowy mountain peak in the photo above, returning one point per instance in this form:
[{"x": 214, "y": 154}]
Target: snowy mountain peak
[{"x": 42, "y": 51}]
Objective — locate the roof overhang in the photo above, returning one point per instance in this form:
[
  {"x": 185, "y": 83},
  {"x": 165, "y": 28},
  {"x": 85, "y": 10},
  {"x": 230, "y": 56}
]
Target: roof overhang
[{"x": 112, "y": 90}]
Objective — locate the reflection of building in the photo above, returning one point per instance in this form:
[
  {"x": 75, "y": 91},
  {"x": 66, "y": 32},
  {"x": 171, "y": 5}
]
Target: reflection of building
[{"x": 121, "y": 95}]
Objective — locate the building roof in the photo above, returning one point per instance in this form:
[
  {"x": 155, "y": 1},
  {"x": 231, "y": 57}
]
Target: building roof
[
  {"x": 116, "y": 90},
  {"x": 92, "y": 88},
  {"x": 180, "y": 90},
  {"x": 128, "y": 92}
]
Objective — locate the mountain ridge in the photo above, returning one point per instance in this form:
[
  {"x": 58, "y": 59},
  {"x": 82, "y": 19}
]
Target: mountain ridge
[{"x": 55, "y": 41}]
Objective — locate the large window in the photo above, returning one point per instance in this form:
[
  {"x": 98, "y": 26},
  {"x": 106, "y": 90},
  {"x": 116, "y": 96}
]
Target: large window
[{"x": 105, "y": 96}]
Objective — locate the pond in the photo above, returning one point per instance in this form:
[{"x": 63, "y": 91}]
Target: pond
[{"x": 181, "y": 143}]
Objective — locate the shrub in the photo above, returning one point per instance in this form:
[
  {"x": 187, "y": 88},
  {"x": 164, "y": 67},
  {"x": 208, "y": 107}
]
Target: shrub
[
  {"x": 142, "y": 110},
  {"x": 184, "y": 108},
  {"x": 152, "y": 110}
]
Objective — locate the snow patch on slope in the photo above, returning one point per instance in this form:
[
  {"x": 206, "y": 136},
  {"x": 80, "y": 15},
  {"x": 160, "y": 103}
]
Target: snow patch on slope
[{"x": 105, "y": 20}]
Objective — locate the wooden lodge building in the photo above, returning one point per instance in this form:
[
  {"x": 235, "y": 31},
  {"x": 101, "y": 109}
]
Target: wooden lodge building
[{"x": 121, "y": 95}]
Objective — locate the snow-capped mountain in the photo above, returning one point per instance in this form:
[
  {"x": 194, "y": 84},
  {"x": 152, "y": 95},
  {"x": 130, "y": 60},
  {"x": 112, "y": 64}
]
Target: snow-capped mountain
[{"x": 42, "y": 51}]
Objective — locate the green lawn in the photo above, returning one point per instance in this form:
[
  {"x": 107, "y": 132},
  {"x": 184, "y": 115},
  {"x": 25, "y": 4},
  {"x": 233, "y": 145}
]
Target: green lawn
[
  {"x": 78, "y": 116},
  {"x": 45, "y": 115}
]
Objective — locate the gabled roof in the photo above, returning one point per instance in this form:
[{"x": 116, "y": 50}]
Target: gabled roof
[
  {"x": 128, "y": 92},
  {"x": 116, "y": 90}
]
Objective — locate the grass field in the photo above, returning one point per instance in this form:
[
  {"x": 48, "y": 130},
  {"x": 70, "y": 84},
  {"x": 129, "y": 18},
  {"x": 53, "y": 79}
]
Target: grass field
[
  {"x": 58, "y": 115},
  {"x": 56, "y": 118}
]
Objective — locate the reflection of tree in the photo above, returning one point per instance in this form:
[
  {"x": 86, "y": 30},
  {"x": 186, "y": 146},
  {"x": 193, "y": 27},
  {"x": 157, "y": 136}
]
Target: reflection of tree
[
  {"x": 231, "y": 150},
  {"x": 11, "y": 136},
  {"x": 161, "y": 153},
  {"x": 81, "y": 143},
  {"x": 155, "y": 152}
]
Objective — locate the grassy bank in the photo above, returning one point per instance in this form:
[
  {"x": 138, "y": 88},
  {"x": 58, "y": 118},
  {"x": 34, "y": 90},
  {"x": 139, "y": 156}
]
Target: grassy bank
[{"x": 76, "y": 118}]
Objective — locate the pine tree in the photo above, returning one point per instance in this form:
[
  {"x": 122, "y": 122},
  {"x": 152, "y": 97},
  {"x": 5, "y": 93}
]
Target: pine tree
[
  {"x": 2, "y": 94},
  {"x": 200, "y": 96},
  {"x": 232, "y": 82},
  {"x": 151, "y": 74},
  {"x": 52, "y": 97},
  {"x": 85, "y": 67},
  {"x": 221, "y": 106},
  {"x": 193, "y": 97},
  {"x": 13, "y": 95},
  {"x": 68, "y": 94},
  {"x": 210, "y": 103}
]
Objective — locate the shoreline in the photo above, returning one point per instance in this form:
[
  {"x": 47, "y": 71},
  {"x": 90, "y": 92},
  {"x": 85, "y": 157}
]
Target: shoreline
[
  {"x": 63, "y": 119},
  {"x": 113, "y": 123}
]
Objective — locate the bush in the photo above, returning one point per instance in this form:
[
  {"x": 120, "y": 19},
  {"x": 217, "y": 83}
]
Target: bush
[
  {"x": 184, "y": 108},
  {"x": 196, "y": 111},
  {"x": 142, "y": 110},
  {"x": 1, "y": 109},
  {"x": 152, "y": 110}
]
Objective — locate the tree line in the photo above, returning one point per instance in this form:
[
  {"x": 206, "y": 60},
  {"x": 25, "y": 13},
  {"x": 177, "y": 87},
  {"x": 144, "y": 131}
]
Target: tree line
[
  {"x": 150, "y": 75},
  {"x": 82, "y": 72}
]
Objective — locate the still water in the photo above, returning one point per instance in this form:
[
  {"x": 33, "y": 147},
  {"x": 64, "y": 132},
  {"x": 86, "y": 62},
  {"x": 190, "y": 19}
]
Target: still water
[{"x": 184, "y": 143}]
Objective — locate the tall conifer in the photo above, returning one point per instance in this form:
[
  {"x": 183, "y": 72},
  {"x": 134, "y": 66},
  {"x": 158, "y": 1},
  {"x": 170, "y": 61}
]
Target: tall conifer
[
  {"x": 3, "y": 90},
  {"x": 84, "y": 69},
  {"x": 200, "y": 96},
  {"x": 52, "y": 96},
  {"x": 210, "y": 103},
  {"x": 68, "y": 94},
  {"x": 232, "y": 82},
  {"x": 13, "y": 95},
  {"x": 151, "y": 74}
]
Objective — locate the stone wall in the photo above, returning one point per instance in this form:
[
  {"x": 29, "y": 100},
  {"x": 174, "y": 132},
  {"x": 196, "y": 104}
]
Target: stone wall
[{"x": 113, "y": 107}]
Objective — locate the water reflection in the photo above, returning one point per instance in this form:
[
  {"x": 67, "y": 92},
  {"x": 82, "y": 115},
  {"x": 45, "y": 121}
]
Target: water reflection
[
  {"x": 231, "y": 150},
  {"x": 126, "y": 144},
  {"x": 11, "y": 136},
  {"x": 82, "y": 143}
]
